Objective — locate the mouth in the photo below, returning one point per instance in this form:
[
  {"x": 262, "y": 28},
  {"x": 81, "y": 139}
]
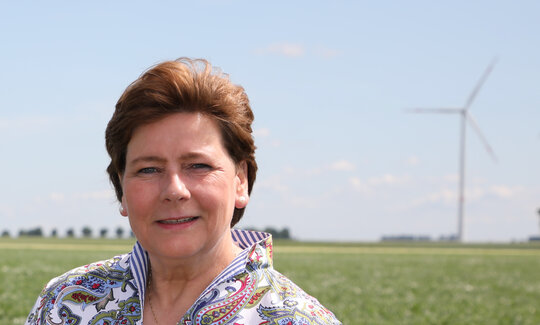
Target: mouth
[{"x": 176, "y": 221}]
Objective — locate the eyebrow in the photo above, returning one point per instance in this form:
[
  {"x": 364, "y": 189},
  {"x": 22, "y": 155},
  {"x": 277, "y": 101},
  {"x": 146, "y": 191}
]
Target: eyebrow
[
  {"x": 187, "y": 156},
  {"x": 147, "y": 159}
]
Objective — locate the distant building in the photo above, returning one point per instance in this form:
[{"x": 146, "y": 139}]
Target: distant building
[
  {"x": 405, "y": 238},
  {"x": 448, "y": 238},
  {"x": 534, "y": 238}
]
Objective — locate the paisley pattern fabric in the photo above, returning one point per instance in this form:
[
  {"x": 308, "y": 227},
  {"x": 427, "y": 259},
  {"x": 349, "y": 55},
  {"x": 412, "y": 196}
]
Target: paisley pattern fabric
[{"x": 249, "y": 291}]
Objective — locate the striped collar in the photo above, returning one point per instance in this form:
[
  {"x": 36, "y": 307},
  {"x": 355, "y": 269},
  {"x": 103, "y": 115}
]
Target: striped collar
[{"x": 245, "y": 239}]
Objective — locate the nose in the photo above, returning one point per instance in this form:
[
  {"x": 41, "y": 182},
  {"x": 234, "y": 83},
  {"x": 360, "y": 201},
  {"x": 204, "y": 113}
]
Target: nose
[{"x": 175, "y": 189}]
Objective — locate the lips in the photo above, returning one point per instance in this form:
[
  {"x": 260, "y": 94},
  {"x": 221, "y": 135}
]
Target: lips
[{"x": 176, "y": 221}]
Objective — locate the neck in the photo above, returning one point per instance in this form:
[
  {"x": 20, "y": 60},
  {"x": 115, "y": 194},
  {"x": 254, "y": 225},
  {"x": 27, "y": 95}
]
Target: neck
[
  {"x": 207, "y": 263},
  {"x": 174, "y": 286}
]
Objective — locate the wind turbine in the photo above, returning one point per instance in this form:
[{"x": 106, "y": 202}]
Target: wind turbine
[{"x": 465, "y": 117}]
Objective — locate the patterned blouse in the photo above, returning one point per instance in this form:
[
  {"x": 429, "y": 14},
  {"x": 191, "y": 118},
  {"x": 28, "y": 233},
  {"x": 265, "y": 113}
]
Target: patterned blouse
[{"x": 249, "y": 291}]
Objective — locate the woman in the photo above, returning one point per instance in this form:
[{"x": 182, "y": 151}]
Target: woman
[{"x": 183, "y": 166}]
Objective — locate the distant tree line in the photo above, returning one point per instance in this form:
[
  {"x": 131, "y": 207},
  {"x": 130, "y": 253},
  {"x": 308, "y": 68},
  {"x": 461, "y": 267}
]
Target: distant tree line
[
  {"x": 276, "y": 234},
  {"x": 35, "y": 232},
  {"x": 86, "y": 232},
  {"x": 119, "y": 232}
]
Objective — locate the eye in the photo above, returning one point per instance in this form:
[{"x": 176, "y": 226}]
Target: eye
[
  {"x": 200, "y": 166},
  {"x": 148, "y": 170}
]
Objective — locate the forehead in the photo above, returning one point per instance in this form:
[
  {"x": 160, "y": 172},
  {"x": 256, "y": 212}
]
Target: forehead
[{"x": 178, "y": 131}]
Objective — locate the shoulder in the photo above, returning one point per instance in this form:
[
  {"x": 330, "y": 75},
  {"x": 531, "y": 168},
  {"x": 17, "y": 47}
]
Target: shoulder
[
  {"x": 91, "y": 276},
  {"x": 258, "y": 296},
  {"x": 290, "y": 301},
  {"x": 272, "y": 298},
  {"x": 87, "y": 285}
]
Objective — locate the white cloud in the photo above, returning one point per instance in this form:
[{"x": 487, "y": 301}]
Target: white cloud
[
  {"x": 359, "y": 185},
  {"x": 273, "y": 183},
  {"x": 413, "y": 161},
  {"x": 339, "y": 165},
  {"x": 474, "y": 193},
  {"x": 23, "y": 123},
  {"x": 295, "y": 50},
  {"x": 285, "y": 49},
  {"x": 262, "y": 132},
  {"x": 7, "y": 211},
  {"x": 444, "y": 195},
  {"x": 342, "y": 165},
  {"x": 388, "y": 179},
  {"x": 449, "y": 196},
  {"x": 56, "y": 197},
  {"x": 275, "y": 143},
  {"x": 107, "y": 194},
  {"x": 314, "y": 171},
  {"x": 504, "y": 192},
  {"x": 327, "y": 53},
  {"x": 303, "y": 201},
  {"x": 451, "y": 178},
  {"x": 95, "y": 195},
  {"x": 372, "y": 184}
]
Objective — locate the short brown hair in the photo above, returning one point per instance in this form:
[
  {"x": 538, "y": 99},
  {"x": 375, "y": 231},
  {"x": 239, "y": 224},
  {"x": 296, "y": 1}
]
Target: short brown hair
[{"x": 183, "y": 85}]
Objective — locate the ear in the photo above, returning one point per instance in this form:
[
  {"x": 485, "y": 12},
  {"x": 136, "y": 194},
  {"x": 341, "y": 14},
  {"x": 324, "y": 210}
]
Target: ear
[
  {"x": 242, "y": 196},
  {"x": 123, "y": 203},
  {"x": 123, "y": 208}
]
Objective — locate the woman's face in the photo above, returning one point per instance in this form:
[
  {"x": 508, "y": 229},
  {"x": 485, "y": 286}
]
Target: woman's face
[{"x": 180, "y": 186}]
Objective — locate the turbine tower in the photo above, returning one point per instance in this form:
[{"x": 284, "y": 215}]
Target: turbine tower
[{"x": 465, "y": 117}]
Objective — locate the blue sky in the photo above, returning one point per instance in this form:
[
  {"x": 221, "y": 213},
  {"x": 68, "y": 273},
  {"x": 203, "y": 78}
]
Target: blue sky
[{"x": 329, "y": 83}]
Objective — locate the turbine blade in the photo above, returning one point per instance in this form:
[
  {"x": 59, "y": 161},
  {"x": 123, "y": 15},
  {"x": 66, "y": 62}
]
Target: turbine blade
[
  {"x": 480, "y": 83},
  {"x": 441, "y": 110},
  {"x": 481, "y": 136}
]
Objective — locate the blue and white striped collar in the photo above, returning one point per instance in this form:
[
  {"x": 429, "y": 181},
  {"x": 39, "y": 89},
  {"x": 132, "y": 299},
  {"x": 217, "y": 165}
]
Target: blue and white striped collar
[{"x": 245, "y": 239}]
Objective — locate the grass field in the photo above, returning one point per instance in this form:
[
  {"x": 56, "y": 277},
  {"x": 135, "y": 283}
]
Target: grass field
[{"x": 382, "y": 283}]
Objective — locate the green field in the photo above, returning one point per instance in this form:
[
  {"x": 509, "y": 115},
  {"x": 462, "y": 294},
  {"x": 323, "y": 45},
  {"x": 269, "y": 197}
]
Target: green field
[{"x": 382, "y": 283}]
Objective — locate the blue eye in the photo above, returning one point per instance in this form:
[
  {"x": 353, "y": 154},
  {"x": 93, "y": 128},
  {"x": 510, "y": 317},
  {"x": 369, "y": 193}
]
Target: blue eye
[
  {"x": 148, "y": 170},
  {"x": 200, "y": 166}
]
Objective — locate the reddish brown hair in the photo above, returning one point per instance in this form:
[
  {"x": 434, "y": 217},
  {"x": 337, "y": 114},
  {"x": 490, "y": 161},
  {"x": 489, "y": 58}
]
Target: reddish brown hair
[{"x": 183, "y": 85}]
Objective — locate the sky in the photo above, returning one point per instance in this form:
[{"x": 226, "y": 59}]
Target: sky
[{"x": 340, "y": 157}]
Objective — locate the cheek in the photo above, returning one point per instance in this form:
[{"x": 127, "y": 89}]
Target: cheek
[
  {"x": 138, "y": 196},
  {"x": 217, "y": 198}
]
